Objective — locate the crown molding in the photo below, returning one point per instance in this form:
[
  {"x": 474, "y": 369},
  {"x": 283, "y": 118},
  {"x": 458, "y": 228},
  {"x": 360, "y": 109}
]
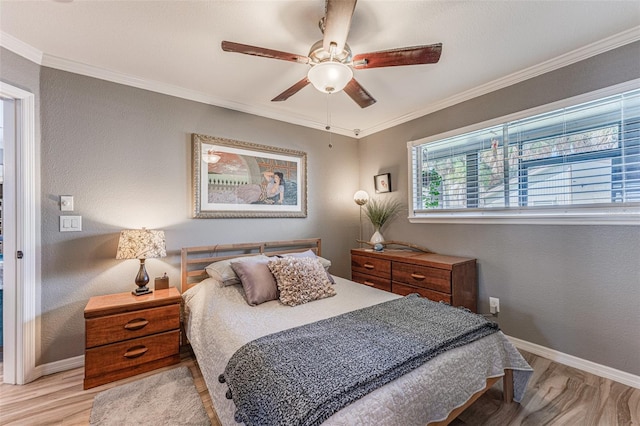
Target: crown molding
[
  {"x": 21, "y": 48},
  {"x": 33, "y": 54}
]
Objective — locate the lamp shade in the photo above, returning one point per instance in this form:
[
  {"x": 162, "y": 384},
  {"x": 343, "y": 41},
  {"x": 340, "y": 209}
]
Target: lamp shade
[
  {"x": 330, "y": 76},
  {"x": 141, "y": 244},
  {"x": 361, "y": 197}
]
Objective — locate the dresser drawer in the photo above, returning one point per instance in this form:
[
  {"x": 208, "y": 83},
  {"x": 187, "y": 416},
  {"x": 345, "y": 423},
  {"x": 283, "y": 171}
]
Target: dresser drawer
[
  {"x": 371, "y": 266},
  {"x": 130, "y": 325},
  {"x": 422, "y": 276},
  {"x": 372, "y": 281},
  {"x": 117, "y": 356},
  {"x": 436, "y": 296}
]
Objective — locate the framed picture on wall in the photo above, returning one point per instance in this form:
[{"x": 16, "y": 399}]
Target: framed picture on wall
[
  {"x": 234, "y": 179},
  {"x": 382, "y": 183}
]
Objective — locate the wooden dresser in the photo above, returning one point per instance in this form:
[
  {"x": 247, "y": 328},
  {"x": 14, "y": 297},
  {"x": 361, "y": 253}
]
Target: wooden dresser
[
  {"x": 126, "y": 335},
  {"x": 453, "y": 280}
]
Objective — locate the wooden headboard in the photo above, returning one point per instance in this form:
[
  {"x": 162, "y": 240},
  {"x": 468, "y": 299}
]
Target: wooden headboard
[{"x": 194, "y": 260}]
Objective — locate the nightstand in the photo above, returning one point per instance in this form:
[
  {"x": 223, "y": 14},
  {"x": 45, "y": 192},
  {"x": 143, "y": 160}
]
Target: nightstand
[{"x": 127, "y": 335}]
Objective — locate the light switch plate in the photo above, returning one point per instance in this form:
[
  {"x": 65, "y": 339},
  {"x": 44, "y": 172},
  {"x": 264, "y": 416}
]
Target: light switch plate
[
  {"x": 70, "y": 223},
  {"x": 66, "y": 203}
]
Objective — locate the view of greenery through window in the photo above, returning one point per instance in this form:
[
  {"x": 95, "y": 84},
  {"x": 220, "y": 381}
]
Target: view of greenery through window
[{"x": 582, "y": 155}]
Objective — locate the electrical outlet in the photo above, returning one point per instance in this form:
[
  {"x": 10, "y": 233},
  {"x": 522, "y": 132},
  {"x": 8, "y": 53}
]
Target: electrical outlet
[{"x": 494, "y": 305}]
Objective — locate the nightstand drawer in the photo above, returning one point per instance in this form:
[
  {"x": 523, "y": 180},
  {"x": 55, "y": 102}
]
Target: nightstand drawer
[
  {"x": 371, "y": 266},
  {"x": 371, "y": 281},
  {"x": 436, "y": 296},
  {"x": 422, "y": 276},
  {"x": 118, "y": 356},
  {"x": 131, "y": 325}
]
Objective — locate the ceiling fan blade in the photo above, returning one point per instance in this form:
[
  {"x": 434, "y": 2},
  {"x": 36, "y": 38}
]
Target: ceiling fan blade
[
  {"x": 358, "y": 94},
  {"x": 291, "y": 90},
  {"x": 229, "y": 46},
  {"x": 336, "y": 23},
  {"x": 415, "y": 55}
]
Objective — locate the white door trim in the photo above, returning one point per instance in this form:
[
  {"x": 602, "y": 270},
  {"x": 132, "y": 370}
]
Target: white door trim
[{"x": 22, "y": 231}]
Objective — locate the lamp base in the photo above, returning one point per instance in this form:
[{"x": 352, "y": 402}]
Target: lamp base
[
  {"x": 141, "y": 291},
  {"x": 141, "y": 281}
]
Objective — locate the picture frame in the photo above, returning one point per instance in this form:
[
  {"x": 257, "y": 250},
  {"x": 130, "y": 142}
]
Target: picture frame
[
  {"x": 236, "y": 179},
  {"x": 382, "y": 183}
]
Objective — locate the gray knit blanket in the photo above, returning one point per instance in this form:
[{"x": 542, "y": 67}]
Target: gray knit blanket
[{"x": 303, "y": 375}]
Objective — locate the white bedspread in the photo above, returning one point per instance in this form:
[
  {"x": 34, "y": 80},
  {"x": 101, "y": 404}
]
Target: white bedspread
[{"x": 219, "y": 321}]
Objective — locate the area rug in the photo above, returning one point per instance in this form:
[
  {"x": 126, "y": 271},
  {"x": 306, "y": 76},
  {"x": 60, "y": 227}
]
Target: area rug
[{"x": 168, "y": 398}]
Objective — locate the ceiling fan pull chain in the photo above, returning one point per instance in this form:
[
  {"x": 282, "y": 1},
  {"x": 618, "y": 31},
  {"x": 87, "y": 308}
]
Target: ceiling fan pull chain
[{"x": 328, "y": 127}]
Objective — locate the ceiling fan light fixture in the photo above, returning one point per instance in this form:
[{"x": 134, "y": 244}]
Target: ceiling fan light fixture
[{"x": 330, "y": 76}]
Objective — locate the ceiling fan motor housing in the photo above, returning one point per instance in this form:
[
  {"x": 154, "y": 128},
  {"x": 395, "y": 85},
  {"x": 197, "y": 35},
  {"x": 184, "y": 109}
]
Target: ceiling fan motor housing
[{"x": 317, "y": 54}]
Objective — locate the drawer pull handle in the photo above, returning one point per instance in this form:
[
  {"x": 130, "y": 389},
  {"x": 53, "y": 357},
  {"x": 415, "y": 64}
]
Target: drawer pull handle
[
  {"x": 368, "y": 266},
  {"x": 136, "y": 324},
  {"x": 135, "y": 352},
  {"x": 418, "y": 276},
  {"x": 369, "y": 283}
]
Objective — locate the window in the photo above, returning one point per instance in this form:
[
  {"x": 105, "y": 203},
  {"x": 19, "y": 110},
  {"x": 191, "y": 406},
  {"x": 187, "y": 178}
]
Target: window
[{"x": 575, "y": 164}]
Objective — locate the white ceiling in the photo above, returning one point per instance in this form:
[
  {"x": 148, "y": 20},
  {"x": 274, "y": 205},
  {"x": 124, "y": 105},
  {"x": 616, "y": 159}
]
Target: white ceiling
[{"x": 174, "y": 47}]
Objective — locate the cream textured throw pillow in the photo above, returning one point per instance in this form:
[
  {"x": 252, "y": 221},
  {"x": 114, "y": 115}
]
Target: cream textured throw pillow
[
  {"x": 300, "y": 280},
  {"x": 326, "y": 263}
]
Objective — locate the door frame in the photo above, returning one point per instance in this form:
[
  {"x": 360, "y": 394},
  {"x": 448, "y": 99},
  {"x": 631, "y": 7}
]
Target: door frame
[{"x": 21, "y": 313}]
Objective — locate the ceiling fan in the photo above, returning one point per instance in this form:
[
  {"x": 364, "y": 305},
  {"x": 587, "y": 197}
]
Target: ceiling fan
[{"x": 331, "y": 60}]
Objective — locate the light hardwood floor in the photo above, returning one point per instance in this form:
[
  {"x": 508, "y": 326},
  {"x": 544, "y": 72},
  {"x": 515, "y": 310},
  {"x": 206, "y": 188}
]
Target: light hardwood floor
[{"x": 557, "y": 395}]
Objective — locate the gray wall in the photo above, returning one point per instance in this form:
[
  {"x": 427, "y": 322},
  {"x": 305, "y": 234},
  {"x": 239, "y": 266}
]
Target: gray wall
[
  {"x": 575, "y": 289},
  {"x": 125, "y": 155}
]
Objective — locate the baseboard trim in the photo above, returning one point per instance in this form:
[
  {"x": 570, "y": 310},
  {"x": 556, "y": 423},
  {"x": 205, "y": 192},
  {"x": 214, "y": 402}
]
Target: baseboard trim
[
  {"x": 556, "y": 356},
  {"x": 579, "y": 363},
  {"x": 59, "y": 366}
]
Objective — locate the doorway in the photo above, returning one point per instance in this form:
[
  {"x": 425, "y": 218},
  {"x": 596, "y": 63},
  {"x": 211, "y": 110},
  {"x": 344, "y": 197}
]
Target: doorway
[{"x": 21, "y": 234}]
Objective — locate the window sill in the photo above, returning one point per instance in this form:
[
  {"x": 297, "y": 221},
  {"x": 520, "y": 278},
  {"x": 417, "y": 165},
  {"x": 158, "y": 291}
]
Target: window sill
[{"x": 591, "y": 216}]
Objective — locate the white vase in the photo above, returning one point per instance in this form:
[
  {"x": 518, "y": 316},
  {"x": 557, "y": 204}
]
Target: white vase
[{"x": 376, "y": 237}]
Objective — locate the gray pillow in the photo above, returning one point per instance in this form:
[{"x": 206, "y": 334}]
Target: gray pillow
[
  {"x": 257, "y": 281},
  {"x": 224, "y": 273}
]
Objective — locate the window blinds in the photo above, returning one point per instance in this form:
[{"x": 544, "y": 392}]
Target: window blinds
[{"x": 587, "y": 154}]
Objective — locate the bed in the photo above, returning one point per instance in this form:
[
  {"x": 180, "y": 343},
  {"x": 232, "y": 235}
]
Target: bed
[{"x": 219, "y": 322}]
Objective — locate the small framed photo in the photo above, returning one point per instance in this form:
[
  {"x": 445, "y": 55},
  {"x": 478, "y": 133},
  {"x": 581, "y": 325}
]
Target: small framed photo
[{"x": 382, "y": 183}]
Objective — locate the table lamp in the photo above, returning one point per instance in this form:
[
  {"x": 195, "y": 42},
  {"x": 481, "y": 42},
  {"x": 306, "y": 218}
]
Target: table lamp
[{"x": 141, "y": 244}]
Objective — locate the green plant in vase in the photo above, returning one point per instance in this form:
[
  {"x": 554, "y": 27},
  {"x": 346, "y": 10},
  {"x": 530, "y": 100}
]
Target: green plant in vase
[{"x": 381, "y": 212}]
